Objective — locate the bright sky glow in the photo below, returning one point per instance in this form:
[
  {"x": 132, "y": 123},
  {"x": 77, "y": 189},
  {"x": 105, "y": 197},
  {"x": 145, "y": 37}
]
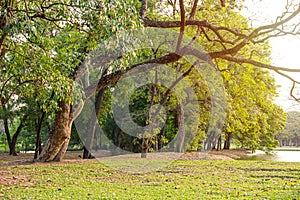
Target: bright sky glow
[{"x": 285, "y": 50}]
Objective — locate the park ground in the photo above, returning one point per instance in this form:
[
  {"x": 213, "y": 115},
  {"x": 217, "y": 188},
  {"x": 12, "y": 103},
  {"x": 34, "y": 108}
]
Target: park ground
[{"x": 217, "y": 175}]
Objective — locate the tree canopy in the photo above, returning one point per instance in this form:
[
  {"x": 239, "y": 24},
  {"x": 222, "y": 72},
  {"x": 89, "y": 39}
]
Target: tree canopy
[{"x": 44, "y": 46}]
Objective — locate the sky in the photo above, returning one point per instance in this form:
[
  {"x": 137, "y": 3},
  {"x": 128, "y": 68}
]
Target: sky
[{"x": 285, "y": 50}]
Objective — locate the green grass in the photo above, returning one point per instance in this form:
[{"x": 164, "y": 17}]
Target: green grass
[
  {"x": 181, "y": 180},
  {"x": 287, "y": 149}
]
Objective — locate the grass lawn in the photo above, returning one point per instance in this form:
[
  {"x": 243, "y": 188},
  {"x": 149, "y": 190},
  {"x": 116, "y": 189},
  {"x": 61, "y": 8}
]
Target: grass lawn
[{"x": 183, "y": 179}]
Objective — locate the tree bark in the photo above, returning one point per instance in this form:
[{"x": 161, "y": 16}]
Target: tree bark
[
  {"x": 12, "y": 150},
  {"x": 6, "y": 129},
  {"x": 227, "y": 141},
  {"x": 160, "y": 136},
  {"x": 145, "y": 146},
  {"x": 219, "y": 143},
  {"x": 181, "y": 132},
  {"x": 63, "y": 149},
  {"x": 38, "y": 146},
  {"x": 156, "y": 143},
  {"x": 145, "y": 141},
  {"x": 57, "y": 143},
  {"x": 12, "y": 141},
  {"x": 209, "y": 142}
]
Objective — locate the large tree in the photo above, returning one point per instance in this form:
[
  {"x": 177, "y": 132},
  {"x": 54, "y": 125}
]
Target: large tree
[
  {"x": 44, "y": 43},
  {"x": 50, "y": 40}
]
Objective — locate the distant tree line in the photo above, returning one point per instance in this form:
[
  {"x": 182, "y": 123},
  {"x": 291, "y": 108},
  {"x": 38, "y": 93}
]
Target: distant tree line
[{"x": 290, "y": 135}]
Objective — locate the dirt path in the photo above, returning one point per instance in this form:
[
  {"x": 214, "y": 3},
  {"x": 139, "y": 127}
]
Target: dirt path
[{"x": 75, "y": 157}]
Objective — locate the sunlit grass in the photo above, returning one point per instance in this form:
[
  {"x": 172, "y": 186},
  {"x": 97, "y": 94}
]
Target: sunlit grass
[{"x": 198, "y": 179}]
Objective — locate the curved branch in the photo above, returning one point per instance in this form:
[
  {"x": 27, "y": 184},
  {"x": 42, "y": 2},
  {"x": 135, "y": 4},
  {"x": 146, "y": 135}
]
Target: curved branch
[
  {"x": 292, "y": 93},
  {"x": 169, "y": 58},
  {"x": 258, "y": 64}
]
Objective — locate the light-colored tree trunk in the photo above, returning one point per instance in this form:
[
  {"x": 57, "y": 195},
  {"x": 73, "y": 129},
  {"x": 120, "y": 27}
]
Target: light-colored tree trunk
[
  {"x": 219, "y": 143},
  {"x": 92, "y": 126},
  {"x": 181, "y": 133},
  {"x": 57, "y": 143}
]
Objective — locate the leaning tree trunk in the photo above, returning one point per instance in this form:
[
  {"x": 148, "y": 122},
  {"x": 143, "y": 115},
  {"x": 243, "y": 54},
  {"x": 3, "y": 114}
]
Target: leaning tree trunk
[
  {"x": 58, "y": 140},
  {"x": 12, "y": 150}
]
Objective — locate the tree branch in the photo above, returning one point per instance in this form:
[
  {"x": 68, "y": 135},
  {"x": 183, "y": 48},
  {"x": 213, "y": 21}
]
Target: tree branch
[
  {"x": 143, "y": 9},
  {"x": 258, "y": 64},
  {"x": 193, "y": 12},
  {"x": 182, "y": 24}
]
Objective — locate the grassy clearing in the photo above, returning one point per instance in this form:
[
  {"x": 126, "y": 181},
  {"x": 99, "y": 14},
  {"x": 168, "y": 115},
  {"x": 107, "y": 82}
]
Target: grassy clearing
[{"x": 183, "y": 179}]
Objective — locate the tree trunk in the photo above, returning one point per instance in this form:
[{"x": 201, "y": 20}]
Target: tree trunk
[
  {"x": 219, "y": 143},
  {"x": 297, "y": 141},
  {"x": 58, "y": 140},
  {"x": 227, "y": 141},
  {"x": 209, "y": 142},
  {"x": 12, "y": 141},
  {"x": 181, "y": 132},
  {"x": 7, "y": 133},
  {"x": 145, "y": 141},
  {"x": 145, "y": 146},
  {"x": 12, "y": 150},
  {"x": 156, "y": 143},
  {"x": 63, "y": 149},
  {"x": 38, "y": 136},
  {"x": 119, "y": 138},
  {"x": 160, "y": 136},
  {"x": 89, "y": 140}
]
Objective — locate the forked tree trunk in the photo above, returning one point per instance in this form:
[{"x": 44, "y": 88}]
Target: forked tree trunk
[
  {"x": 13, "y": 141},
  {"x": 57, "y": 143}
]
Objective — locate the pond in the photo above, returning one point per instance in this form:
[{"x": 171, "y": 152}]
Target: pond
[{"x": 286, "y": 156}]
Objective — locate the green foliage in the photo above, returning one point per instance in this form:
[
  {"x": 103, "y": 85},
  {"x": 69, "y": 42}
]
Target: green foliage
[
  {"x": 290, "y": 135},
  {"x": 43, "y": 45},
  {"x": 46, "y": 42},
  {"x": 252, "y": 116}
]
